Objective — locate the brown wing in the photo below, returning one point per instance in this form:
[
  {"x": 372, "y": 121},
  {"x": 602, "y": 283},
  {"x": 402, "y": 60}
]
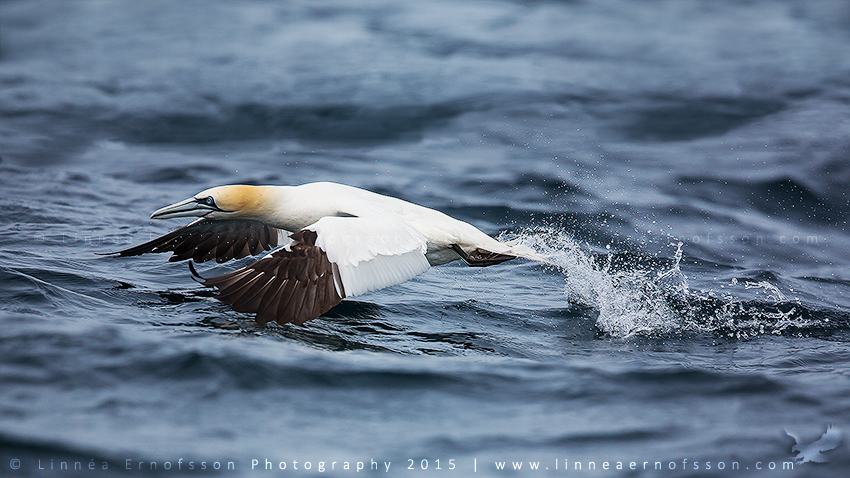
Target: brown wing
[
  {"x": 294, "y": 284},
  {"x": 203, "y": 240}
]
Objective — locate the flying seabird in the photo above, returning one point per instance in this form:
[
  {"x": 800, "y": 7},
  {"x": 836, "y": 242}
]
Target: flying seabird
[{"x": 336, "y": 241}]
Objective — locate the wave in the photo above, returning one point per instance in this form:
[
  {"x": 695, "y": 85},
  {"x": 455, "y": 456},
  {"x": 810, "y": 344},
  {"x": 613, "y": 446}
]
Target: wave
[
  {"x": 784, "y": 197},
  {"x": 652, "y": 296},
  {"x": 678, "y": 119},
  {"x": 333, "y": 122}
]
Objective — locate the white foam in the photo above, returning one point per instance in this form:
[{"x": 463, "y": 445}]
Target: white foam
[
  {"x": 636, "y": 301},
  {"x": 629, "y": 302}
]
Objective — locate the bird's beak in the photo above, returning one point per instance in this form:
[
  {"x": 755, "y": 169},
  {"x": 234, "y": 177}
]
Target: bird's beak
[{"x": 188, "y": 208}]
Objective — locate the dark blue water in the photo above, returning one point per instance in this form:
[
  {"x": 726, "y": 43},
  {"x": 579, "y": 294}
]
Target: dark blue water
[{"x": 685, "y": 163}]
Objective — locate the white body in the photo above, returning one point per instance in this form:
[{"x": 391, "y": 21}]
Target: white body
[
  {"x": 376, "y": 240},
  {"x": 303, "y": 206}
]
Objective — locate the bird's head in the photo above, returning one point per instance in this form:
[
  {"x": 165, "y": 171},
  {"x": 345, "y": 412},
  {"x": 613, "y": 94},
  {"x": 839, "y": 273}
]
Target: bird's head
[{"x": 221, "y": 202}]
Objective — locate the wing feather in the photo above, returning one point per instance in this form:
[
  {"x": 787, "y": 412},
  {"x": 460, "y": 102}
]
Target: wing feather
[
  {"x": 252, "y": 244},
  {"x": 371, "y": 252},
  {"x": 244, "y": 290},
  {"x": 293, "y": 284},
  {"x": 267, "y": 311},
  {"x": 204, "y": 239},
  {"x": 296, "y": 303},
  {"x": 252, "y": 299}
]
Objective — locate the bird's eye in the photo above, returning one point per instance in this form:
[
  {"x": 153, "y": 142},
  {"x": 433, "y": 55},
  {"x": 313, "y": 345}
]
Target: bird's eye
[{"x": 209, "y": 201}]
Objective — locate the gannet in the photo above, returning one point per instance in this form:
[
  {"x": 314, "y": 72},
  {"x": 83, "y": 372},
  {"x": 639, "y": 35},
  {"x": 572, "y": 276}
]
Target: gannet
[{"x": 331, "y": 241}]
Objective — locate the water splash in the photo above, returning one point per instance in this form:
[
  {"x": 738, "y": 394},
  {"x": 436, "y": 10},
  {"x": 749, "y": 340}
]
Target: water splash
[
  {"x": 629, "y": 301},
  {"x": 657, "y": 300},
  {"x": 771, "y": 290}
]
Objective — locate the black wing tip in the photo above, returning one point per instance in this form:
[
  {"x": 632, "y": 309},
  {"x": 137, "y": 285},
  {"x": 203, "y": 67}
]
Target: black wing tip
[
  {"x": 480, "y": 257},
  {"x": 195, "y": 276}
]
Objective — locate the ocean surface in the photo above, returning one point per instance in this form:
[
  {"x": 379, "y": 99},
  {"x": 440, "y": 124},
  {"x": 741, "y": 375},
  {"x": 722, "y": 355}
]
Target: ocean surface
[{"x": 685, "y": 163}]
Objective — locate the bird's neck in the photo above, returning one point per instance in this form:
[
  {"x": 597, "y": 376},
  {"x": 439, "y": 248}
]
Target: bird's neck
[{"x": 287, "y": 208}]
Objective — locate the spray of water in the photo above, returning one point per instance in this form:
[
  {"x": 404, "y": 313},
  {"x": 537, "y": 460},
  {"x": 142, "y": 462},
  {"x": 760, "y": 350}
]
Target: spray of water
[
  {"x": 629, "y": 302},
  {"x": 640, "y": 301}
]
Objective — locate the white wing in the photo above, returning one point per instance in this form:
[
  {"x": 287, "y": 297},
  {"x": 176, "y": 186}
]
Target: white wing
[{"x": 371, "y": 252}]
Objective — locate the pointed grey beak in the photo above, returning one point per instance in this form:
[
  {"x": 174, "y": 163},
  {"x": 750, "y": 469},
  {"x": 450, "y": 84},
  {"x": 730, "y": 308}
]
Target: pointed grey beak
[{"x": 188, "y": 208}]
